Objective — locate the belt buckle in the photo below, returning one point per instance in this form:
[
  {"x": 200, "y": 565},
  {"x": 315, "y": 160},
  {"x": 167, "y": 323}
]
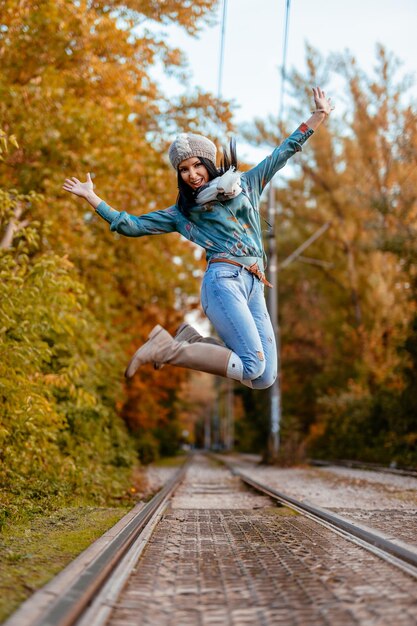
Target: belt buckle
[{"x": 254, "y": 269}]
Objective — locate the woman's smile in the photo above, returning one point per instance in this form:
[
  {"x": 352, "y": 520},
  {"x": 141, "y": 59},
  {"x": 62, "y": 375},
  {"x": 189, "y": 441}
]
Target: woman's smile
[{"x": 197, "y": 183}]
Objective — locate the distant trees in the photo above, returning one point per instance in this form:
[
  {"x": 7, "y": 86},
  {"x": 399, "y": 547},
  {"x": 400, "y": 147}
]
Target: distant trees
[{"x": 348, "y": 307}]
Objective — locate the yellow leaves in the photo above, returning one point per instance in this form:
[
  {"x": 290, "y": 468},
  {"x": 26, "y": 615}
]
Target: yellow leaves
[
  {"x": 53, "y": 418},
  {"x": 13, "y": 141},
  {"x": 189, "y": 15},
  {"x": 4, "y": 433},
  {"x": 5, "y": 140},
  {"x": 77, "y": 93}
]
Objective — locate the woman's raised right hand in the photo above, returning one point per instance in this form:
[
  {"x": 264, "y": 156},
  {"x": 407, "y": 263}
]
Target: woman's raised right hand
[{"x": 75, "y": 186}]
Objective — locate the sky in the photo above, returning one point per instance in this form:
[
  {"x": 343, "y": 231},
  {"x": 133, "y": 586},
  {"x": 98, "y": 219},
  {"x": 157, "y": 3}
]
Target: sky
[{"x": 253, "y": 52}]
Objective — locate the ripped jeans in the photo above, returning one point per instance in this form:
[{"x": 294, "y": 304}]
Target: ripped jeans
[{"x": 234, "y": 301}]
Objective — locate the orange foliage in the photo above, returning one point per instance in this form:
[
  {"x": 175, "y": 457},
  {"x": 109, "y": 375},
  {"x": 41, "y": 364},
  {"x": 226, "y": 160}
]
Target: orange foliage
[{"x": 77, "y": 92}]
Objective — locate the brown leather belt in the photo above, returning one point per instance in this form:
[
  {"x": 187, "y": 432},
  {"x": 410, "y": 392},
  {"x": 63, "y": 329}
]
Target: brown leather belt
[{"x": 252, "y": 269}]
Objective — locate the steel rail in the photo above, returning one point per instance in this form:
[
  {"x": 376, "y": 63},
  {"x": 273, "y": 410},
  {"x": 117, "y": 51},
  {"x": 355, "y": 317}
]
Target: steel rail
[
  {"x": 70, "y": 605},
  {"x": 399, "y": 555},
  {"x": 400, "y": 471}
]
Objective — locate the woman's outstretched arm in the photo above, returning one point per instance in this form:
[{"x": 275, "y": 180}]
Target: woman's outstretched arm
[
  {"x": 260, "y": 175},
  {"x": 83, "y": 190},
  {"x": 153, "y": 223}
]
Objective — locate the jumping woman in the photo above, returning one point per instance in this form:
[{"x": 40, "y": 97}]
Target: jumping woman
[{"x": 218, "y": 209}]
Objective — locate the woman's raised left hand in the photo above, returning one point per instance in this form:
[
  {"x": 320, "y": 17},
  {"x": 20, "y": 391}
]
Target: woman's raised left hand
[{"x": 322, "y": 103}]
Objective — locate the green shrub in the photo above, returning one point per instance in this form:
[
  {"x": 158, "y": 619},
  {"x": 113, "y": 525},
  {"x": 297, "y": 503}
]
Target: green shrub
[
  {"x": 60, "y": 434},
  {"x": 147, "y": 447}
]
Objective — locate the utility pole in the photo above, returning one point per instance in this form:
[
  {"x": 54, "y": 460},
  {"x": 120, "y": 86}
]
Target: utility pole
[
  {"x": 207, "y": 431},
  {"x": 275, "y": 390},
  {"x": 229, "y": 400}
]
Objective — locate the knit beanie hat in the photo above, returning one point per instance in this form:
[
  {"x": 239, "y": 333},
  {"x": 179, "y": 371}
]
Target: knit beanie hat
[{"x": 189, "y": 145}]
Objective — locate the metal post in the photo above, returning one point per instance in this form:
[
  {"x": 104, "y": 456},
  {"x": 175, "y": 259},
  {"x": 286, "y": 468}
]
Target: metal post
[
  {"x": 275, "y": 390},
  {"x": 229, "y": 437},
  {"x": 229, "y": 404},
  {"x": 215, "y": 439},
  {"x": 207, "y": 431}
]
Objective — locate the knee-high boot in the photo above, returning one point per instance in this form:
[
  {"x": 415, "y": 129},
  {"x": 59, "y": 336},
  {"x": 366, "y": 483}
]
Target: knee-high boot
[
  {"x": 204, "y": 357},
  {"x": 187, "y": 333}
]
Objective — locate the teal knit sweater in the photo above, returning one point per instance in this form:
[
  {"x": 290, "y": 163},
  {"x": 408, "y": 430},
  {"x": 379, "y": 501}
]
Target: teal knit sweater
[{"x": 230, "y": 229}]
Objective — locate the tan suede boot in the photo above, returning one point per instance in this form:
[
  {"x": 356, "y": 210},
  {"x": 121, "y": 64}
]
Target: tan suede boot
[
  {"x": 204, "y": 357},
  {"x": 186, "y": 332}
]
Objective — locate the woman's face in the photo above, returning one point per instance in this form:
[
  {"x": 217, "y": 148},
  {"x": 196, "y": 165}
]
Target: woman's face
[{"x": 193, "y": 172}]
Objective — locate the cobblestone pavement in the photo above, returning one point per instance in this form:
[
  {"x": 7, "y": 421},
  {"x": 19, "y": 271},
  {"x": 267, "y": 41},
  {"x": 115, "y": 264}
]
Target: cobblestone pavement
[{"x": 224, "y": 556}]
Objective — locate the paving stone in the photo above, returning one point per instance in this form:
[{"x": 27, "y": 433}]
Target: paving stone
[{"x": 231, "y": 565}]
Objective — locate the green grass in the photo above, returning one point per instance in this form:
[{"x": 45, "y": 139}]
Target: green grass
[
  {"x": 39, "y": 538},
  {"x": 34, "y": 550},
  {"x": 171, "y": 461}
]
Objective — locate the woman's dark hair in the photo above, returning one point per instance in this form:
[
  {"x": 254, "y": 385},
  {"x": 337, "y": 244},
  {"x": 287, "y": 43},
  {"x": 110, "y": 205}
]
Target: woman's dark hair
[{"x": 186, "y": 195}]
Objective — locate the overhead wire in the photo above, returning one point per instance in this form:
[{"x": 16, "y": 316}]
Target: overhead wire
[
  {"x": 222, "y": 42},
  {"x": 284, "y": 60}
]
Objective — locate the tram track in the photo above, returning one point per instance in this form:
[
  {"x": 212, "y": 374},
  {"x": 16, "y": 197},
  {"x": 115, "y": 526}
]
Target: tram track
[
  {"x": 94, "y": 594},
  {"x": 374, "y": 467},
  {"x": 395, "y": 552}
]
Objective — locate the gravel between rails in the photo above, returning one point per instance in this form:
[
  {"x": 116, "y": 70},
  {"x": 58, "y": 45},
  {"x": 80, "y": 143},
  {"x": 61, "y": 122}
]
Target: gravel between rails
[
  {"x": 385, "y": 502},
  {"x": 334, "y": 487},
  {"x": 156, "y": 477}
]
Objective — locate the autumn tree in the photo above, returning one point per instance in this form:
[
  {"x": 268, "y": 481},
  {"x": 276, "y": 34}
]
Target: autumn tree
[
  {"x": 347, "y": 305},
  {"x": 76, "y": 90},
  {"x": 60, "y": 435}
]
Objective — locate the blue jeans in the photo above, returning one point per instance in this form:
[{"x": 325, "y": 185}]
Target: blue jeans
[{"x": 234, "y": 301}]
